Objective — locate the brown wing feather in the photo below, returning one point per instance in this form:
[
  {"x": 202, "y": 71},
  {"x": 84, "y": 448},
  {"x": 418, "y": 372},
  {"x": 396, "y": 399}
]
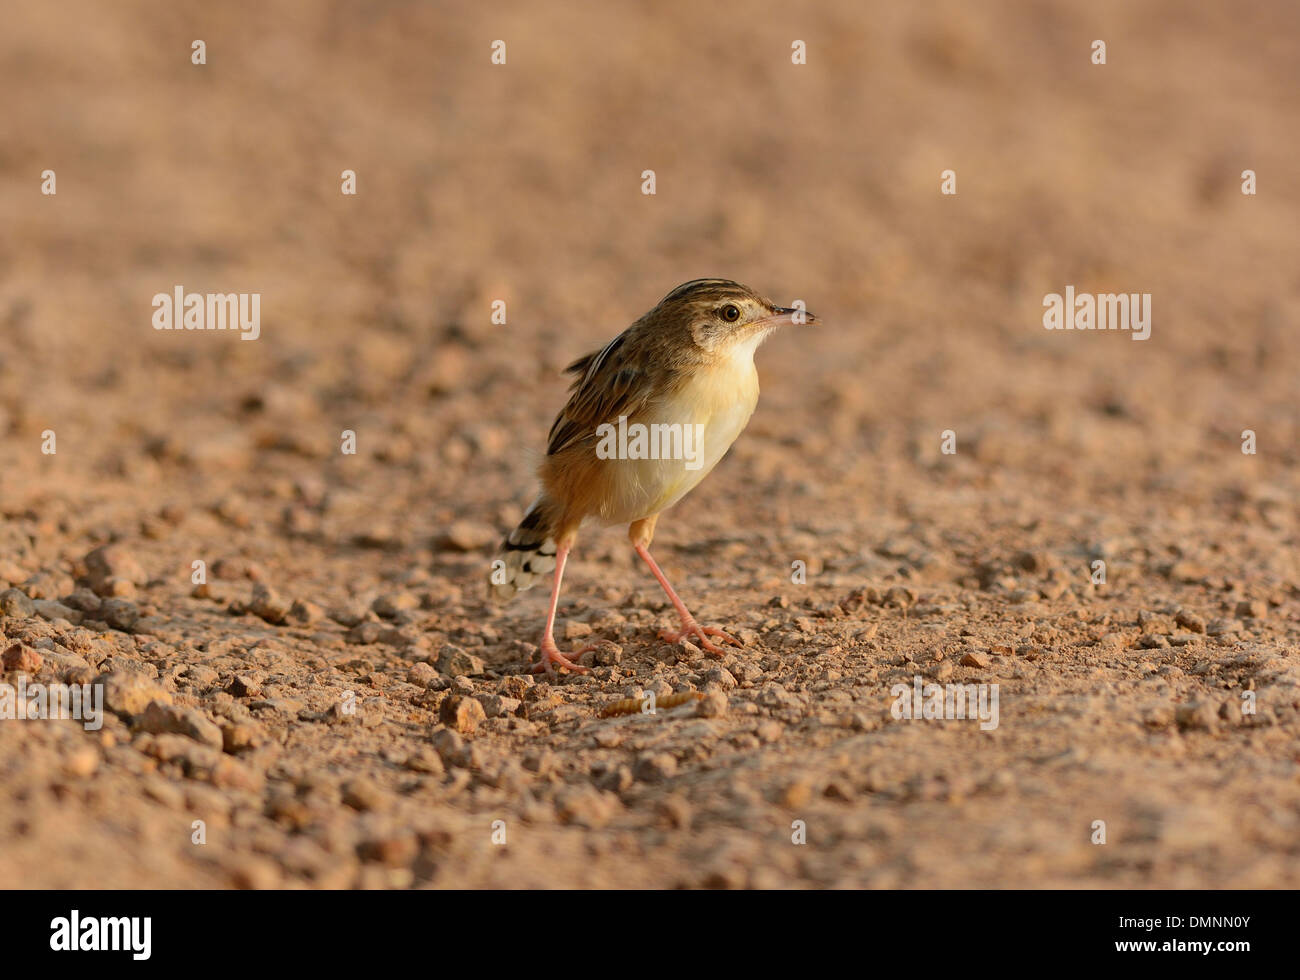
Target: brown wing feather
[{"x": 609, "y": 383}]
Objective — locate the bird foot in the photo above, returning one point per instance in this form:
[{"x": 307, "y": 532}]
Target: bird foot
[
  {"x": 701, "y": 633},
  {"x": 553, "y": 658}
]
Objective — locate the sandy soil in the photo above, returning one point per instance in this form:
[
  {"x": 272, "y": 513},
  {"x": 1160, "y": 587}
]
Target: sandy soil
[{"x": 340, "y": 706}]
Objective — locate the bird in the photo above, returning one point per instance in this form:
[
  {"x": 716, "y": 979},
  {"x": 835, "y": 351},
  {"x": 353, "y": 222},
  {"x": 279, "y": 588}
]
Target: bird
[{"x": 648, "y": 417}]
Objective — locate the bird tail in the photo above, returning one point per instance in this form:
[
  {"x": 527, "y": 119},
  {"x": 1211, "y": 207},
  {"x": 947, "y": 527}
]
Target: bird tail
[{"x": 527, "y": 554}]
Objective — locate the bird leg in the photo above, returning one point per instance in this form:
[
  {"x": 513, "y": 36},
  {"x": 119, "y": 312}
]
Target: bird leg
[
  {"x": 551, "y": 655},
  {"x": 640, "y": 533}
]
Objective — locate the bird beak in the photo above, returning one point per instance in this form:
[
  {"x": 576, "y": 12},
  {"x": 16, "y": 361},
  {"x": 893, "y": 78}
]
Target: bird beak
[{"x": 787, "y": 315}]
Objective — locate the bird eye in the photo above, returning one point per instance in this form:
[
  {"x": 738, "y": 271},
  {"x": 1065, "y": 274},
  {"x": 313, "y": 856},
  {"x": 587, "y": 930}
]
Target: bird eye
[{"x": 730, "y": 313}]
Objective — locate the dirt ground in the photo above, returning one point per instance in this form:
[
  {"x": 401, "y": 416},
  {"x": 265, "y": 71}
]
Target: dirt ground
[{"x": 340, "y": 706}]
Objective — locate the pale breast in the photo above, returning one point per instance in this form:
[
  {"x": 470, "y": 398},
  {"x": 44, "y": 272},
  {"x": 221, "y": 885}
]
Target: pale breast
[{"x": 717, "y": 403}]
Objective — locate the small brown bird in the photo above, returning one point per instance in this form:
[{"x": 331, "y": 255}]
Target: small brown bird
[{"x": 649, "y": 415}]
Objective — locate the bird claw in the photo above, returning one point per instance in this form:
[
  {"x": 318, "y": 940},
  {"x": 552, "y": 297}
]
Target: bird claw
[
  {"x": 701, "y": 634},
  {"x": 552, "y": 658}
]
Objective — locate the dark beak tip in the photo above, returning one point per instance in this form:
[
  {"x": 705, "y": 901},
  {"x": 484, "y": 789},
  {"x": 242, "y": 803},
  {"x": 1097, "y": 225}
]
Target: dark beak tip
[{"x": 790, "y": 311}]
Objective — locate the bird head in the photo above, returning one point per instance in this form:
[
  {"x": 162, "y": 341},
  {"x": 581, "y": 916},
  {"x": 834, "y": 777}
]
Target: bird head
[{"x": 719, "y": 314}]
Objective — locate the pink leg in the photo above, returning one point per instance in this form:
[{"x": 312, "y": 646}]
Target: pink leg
[
  {"x": 689, "y": 626},
  {"x": 551, "y": 655}
]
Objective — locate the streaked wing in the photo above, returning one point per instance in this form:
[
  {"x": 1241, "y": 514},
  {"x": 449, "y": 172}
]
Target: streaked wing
[{"x": 610, "y": 383}]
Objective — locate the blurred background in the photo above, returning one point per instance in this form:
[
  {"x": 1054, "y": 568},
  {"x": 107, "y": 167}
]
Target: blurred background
[
  {"x": 478, "y": 182},
  {"x": 522, "y": 183}
]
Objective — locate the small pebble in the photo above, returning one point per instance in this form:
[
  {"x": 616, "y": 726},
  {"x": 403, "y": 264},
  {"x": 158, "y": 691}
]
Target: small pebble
[
  {"x": 16, "y": 604},
  {"x": 461, "y": 713},
  {"x": 975, "y": 658}
]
